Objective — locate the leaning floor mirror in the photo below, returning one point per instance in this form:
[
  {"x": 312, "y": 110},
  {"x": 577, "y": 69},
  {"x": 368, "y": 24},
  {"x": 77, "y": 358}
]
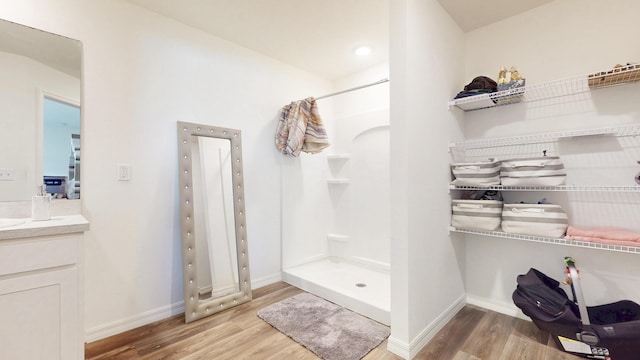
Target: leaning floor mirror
[{"x": 213, "y": 229}]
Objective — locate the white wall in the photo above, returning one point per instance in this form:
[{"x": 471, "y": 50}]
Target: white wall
[
  {"x": 559, "y": 40},
  {"x": 24, "y": 81},
  {"x": 426, "y": 67},
  {"x": 370, "y": 99},
  {"x": 142, "y": 73},
  {"x": 305, "y": 200}
]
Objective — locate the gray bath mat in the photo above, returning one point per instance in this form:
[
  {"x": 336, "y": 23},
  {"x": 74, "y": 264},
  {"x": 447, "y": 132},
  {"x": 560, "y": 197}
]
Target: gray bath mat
[{"x": 330, "y": 331}]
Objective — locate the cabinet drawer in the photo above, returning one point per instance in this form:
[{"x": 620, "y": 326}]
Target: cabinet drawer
[{"x": 40, "y": 253}]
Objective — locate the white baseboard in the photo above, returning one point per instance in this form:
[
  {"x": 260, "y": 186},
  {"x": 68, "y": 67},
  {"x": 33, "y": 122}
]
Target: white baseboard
[
  {"x": 122, "y": 325},
  {"x": 148, "y": 317},
  {"x": 398, "y": 347},
  {"x": 503, "y": 308},
  {"x": 409, "y": 350},
  {"x": 267, "y": 280}
]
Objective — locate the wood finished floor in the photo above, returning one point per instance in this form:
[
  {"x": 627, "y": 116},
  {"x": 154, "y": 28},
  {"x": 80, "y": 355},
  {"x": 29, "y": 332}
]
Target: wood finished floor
[{"x": 238, "y": 333}]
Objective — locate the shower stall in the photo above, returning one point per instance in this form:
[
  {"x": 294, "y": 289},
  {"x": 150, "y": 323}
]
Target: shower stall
[{"x": 336, "y": 207}]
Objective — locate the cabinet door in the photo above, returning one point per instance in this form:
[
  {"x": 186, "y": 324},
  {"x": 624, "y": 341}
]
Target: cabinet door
[{"x": 39, "y": 315}]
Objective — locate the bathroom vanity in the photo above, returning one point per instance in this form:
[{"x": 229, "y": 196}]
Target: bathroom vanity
[{"x": 41, "y": 288}]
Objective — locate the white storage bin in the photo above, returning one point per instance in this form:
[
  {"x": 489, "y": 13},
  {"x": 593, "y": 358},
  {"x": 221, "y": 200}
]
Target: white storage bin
[
  {"x": 534, "y": 219},
  {"x": 476, "y": 214},
  {"x": 485, "y": 173},
  {"x": 536, "y": 171}
]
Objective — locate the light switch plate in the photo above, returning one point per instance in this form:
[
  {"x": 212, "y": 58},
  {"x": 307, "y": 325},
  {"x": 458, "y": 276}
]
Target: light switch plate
[
  {"x": 7, "y": 174},
  {"x": 124, "y": 172}
]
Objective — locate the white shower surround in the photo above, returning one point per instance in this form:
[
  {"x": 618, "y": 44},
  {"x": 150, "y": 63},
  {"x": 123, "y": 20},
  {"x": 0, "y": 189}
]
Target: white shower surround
[{"x": 338, "y": 238}]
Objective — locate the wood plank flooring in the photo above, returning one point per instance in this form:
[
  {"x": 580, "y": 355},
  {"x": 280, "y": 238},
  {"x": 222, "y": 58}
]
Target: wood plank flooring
[{"x": 237, "y": 333}]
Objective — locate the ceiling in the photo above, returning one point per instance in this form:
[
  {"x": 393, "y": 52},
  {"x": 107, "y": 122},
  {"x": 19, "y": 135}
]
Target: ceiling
[
  {"x": 319, "y": 36},
  {"x": 59, "y": 52},
  {"x": 473, "y": 14}
]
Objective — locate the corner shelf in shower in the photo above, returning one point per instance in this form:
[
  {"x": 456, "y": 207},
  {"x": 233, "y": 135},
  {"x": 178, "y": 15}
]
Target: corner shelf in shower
[
  {"x": 337, "y": 159},
  {"x": 548, "y": 240},
  {"x": 343, "y": 156},
  {"x": 338, "y": 237}
]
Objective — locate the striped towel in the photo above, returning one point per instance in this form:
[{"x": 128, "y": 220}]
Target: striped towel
[{"x": 300, "y": 128}]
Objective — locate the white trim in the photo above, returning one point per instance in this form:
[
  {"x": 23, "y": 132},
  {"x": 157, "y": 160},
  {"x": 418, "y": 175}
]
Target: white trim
[
  {"x": 408, "y": 351},
  {"x": 307, "y": 260},
  {"x": 398, "y": 347},
  {"x": 39, "y": 122},
  {"x": 378, "y": 265},
  {"x": 161, "y": 313},
  {"x": 507, "y": 309},
  {"x": 59, "y": 98},
  {"x": 267, "y": 280},
  {"x": 122, "y": 325}
]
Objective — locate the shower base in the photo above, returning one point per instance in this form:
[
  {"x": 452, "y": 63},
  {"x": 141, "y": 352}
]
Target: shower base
[{"x": 360, "y": 288}]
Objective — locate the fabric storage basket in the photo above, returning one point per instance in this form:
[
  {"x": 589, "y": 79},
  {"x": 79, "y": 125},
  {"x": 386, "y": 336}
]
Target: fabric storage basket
[
  {"x": 476, "y": 214},
  {"x": 476, "y": 173},
  {"x": 534, "y": 219},
  {"x": 535, "y": 171}
]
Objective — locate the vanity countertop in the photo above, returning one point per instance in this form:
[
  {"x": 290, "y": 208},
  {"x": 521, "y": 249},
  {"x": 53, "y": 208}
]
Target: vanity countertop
[{"x": 57, "y": 225}]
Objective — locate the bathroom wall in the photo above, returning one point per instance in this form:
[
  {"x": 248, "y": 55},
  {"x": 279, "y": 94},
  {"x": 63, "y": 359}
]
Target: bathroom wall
[
  {"x": 426, "y": 67},
  {"x": 142, "y": 73},
  {"x": 556, "y": 41},
  {"x": 370, "y": 99}
]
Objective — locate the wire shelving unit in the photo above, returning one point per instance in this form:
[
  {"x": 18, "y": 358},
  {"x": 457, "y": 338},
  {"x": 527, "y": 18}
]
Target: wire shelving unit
[
  {"x": 553, "y": 89},
  {"x": 625, "y": 130},
  {"x": 568, "y": 188},
  {"x": 548, "y": 240}
]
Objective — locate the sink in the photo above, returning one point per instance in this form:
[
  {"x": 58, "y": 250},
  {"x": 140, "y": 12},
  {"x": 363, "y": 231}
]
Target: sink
[{"x": 5, "y": 223}]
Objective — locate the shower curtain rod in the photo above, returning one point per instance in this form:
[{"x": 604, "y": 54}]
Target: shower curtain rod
[{"x": 353, "y": 89}]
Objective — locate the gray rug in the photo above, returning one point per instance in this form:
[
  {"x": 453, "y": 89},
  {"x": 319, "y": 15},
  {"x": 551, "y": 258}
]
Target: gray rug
[{"x": 330, "y": 331}]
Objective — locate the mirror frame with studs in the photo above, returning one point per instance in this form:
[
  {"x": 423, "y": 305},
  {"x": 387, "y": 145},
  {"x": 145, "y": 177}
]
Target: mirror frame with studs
[{"x": 196, "y": 308}]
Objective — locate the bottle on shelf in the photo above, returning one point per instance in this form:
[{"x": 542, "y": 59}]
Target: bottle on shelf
[{"x": 502, "y": 75}]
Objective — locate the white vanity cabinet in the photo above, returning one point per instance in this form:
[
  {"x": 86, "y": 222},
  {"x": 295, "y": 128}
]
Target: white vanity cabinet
[{"x": 41, "y": 291}]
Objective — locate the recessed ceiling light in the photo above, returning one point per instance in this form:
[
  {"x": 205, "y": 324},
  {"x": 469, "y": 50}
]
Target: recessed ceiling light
[{"x": 362, "y": 51}]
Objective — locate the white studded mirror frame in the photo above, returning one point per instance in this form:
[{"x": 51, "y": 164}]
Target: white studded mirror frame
[{"x": 194, "y": 308}]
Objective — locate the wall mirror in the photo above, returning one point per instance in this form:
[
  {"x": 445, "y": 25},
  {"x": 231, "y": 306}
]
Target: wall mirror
[
  {"x": 40, "y": 106},
  {"x": 213, "y": 230}
]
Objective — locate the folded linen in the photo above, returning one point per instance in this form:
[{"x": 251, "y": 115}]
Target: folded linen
[
  {"x": 534, "y": 171},
  {"x": 604, "y": 233},
  {"x": 602, "y": 241},
  {"x": 546, "y": 220},
  {"x": 481, "y": 173}
]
